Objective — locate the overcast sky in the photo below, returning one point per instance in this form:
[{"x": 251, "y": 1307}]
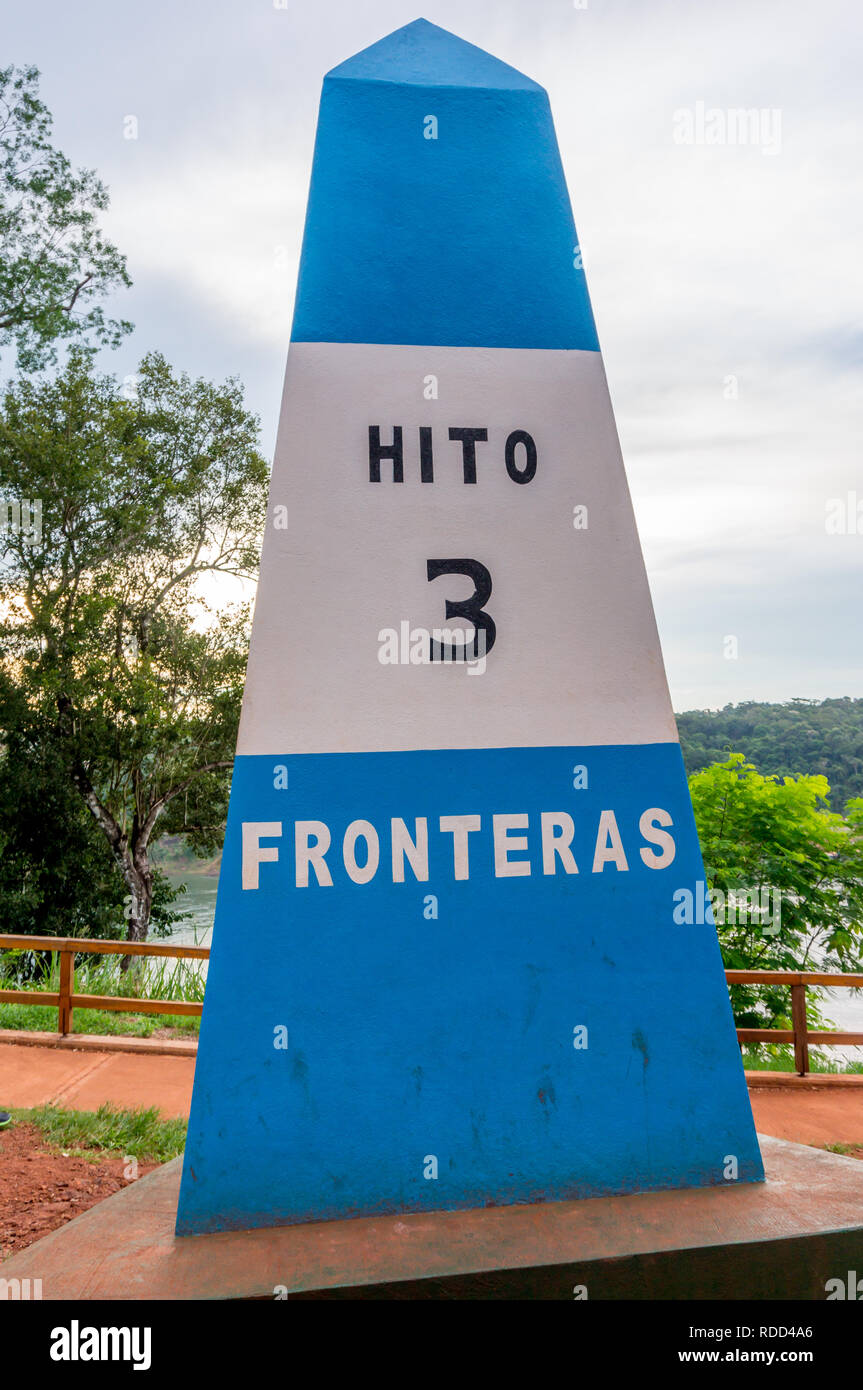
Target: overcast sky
[{"x": 725, "y": 274}]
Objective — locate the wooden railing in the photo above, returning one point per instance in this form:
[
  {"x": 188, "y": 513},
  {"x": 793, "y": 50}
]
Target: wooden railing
[
  {"x": 66, "y": 1000},
  {"x": 798, "y": 1033}
]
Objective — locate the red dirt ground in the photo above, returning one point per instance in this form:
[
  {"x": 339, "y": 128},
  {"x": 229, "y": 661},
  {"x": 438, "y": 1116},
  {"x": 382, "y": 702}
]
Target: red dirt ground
[{"x": 40, "y": 1189}]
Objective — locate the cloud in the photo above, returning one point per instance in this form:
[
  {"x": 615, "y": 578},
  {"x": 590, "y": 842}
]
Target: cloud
[
  {"x": 725, "y": 280},
  {"x": 225, "y": 232}
]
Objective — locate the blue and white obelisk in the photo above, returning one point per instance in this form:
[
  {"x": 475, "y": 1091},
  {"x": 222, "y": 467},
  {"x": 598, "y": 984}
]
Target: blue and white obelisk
[{"x": 446, "y": 970}]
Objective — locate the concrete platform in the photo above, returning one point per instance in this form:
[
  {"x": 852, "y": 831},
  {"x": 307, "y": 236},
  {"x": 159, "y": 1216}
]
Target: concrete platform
[
  {"x": 812, "y": 1081},
  {"x": 104, "y": 1042},
  {"x": 83, "y": 1078},
  {"x": 777, "y": 1240}
]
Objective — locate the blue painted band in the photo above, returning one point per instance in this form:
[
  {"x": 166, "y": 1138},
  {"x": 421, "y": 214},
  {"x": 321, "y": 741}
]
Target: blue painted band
[
  {"x": 466, "y": 239},
  {"x": 451, "y": 1036}
]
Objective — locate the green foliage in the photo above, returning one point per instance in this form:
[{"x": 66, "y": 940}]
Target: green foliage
[
  {"x": 57, "y": 876},
  {"x": 37, "y": 1018},
  {"x": 55, "y": 264},
  {"x": 117, "y": 678},
  {"x": 142, "y": 1134},
  {"x": 781, "y": 1059},
  {"x": 778, "y": 835},
  {"x": 807, "y": 736},
  {"x": 119, "y": 683}
]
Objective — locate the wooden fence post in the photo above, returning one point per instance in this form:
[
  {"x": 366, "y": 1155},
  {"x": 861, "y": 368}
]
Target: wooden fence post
[
  {"x": 67, "y": 989},
  {"x": 798, "y": 1023}
]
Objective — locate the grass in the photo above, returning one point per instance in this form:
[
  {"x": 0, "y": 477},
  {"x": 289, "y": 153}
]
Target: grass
[
  {"x": 843, "y": 1148},
  {"x": 160, "y": 978},
  {"x": 108, "y": 1131},
  {"x": 37, "y": 1018},
  {"x": 769, "y": 1058}
]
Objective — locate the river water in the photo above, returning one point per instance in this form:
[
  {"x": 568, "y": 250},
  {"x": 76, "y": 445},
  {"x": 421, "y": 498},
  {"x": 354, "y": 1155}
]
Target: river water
[{"x": 199, "y": 900}]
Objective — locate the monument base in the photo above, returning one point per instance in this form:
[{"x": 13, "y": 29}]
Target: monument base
[{"x": 782, "y": 1239}]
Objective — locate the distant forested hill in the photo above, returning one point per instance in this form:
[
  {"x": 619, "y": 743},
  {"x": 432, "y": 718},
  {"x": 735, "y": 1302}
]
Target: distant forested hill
[{"x": 797, "y": 736}]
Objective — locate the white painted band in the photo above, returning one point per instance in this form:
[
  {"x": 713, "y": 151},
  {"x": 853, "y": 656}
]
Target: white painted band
[{"x": 576, "y": 660}]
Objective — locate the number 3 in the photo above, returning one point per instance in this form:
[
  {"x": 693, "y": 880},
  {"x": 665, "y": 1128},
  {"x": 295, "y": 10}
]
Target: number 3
[{"x": 472, "y": 608}]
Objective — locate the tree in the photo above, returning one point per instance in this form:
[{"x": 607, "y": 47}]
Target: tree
[
  {"x": 107, "y": 633},
  {"x": 55, "y": 264},
  {"x": 808, "y": 736},
  {"x": 57, "y": 874},
  {"x": 56, "y": 877},
  {"x": 776, "y": 839}
]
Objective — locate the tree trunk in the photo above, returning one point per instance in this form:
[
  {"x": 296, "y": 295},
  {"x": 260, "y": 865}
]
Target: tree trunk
[
  {"x": 138, "y": 876},
  {"x": 130, "y": 855},
  {"x": 130, "y": 851}
]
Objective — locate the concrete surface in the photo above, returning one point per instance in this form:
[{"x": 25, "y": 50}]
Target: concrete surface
[
  {"x": 779, "y": 1239},
  {"x": 104, "y": 1042},
  {"x": 85, "y": 1079},
  {"x": 810, "y": 1116}
]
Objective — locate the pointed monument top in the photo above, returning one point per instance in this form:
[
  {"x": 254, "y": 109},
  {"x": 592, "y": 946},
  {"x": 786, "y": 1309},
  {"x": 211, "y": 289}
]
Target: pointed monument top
[
  {"x": 423, "y": 55},
  {"x": 438, "y": 166}
]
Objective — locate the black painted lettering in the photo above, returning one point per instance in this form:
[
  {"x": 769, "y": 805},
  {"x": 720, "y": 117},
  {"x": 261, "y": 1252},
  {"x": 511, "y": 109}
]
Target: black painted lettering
[
  {"x": 426, "y": 455},
  {"x": 378, "y": 451},
  {"x": 472, "y": 608},
  {"x": 468, "y": 438},
  {"x": 525, "y": 474}
]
